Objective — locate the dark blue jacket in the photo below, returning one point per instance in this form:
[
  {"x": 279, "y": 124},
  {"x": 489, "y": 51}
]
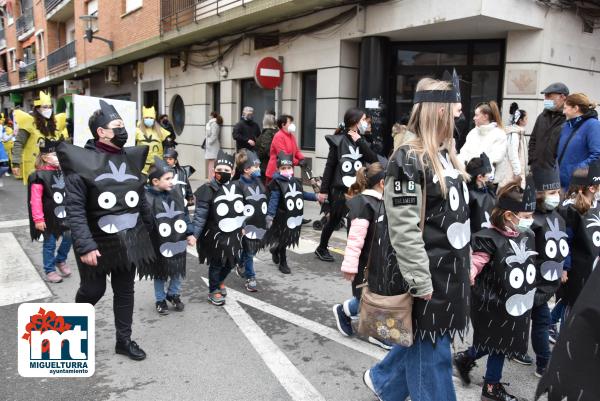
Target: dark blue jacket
[{"x": 583, "y": 149}]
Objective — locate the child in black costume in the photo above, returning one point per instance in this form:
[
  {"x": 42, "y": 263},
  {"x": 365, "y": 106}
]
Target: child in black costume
[
  {"x": 482, "y": 196},
  {"x": 181, "y": 175}
]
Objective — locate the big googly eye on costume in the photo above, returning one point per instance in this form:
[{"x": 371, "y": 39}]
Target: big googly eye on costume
[
  {"x": 164, "y": 230},
  {"x": 347, "y": 166},
  {"x": 596, "y": 238},
  {"x": 453, "y": 196},
  {"x": 290, "y": 204},
  {"x": 516, "y": 278},
  {"x": 248, "y": 210},
  {"x": 58, "y": 198},
  {"x": 222, "y": 209},
  {"x": 551, "y": 249},
  {"x": 530, "y": 274},
  {"x": 263, "y": 207},
  {"x": 132, "y": 198},
  {"x": 357, "y": 165},
  {"x": 238, "y": 206},
  {"x": 107, "y": 200},
  {"x": 299, "y": 204},
  {"x": 564, "y": 247},
  {"x": 180, "y": 226},
  {"x": 465, "y": 192}
]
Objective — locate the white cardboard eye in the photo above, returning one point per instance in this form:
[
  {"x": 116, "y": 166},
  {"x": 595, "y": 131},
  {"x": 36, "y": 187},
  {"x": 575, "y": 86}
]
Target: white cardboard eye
[
  {"x": 180, "y": 226},
  {"x": 58, "y": 198},
  {"x": 564, "y": 247},
  {"x": 453, "y": 197},
  {"x": 248, "y": 210},
  {"x": 596, "y": 238},
  {"x": 465, "y": 192},
  {"x": 107, "y": 200},
  {"x": 299, "y": 204},
  {"x": 263, "y": 207},
  {"x": 516, "y": 278},
  {"x": 357, "y": 165},
  {"x": 551, "y": 249},
  {"x": 222, "y": 209},
  {"x": 530, "y": 274},
  {"x": 346, "y": 166},
  {"x": 238, "y": 206},
  {"x": 290, "y": 204},
  {"x": 164, "y": 230},
  {"x": 132, "y": 198}
]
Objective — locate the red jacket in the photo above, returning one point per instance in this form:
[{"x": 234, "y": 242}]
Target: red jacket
[{"x": 286, "y": 142}]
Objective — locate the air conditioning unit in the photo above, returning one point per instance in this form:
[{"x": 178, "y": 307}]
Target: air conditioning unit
[{"x": 112, "y": 74}]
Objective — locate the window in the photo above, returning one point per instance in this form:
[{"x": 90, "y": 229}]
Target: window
[
  {"x": 12, "y": 59},
  {"x": 92, "y": 9},
  {"x": 178, "y": 114},
  {"x": 216, "y": 97},
  {"x": 131, "y": 5},
  {"x": 39, "y": 44},
  {"x": 588, "y": 26},
  {"x": 309, "y": 110},
  {"x": 258, "y": 98}
]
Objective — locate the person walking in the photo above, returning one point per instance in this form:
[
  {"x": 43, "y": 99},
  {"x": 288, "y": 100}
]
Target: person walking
[
  {"x": 284, "y": 140},
  {"x": 263, "y": 143},
  {"x": 517, "y": 148},
  {"x": 213, "y": 141},
  {"x": 246, "y": 131},
  {"x": 579, "y": 142},
  {"x": 433, "y": 260},
  {"x": 548, "y": 125}
]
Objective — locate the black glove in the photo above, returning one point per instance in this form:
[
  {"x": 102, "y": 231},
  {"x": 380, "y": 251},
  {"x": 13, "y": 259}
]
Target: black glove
[{"x": 302, "y": 162}]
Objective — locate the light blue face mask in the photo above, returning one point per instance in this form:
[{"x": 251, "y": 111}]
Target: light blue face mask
[
  {"x": 524, "y": 224},
  {"x": 551, "y": 202},
  {"x": 149, "y": 122},
  {"x": 549, "y": 104},
  {"x": 255, "y": 173}
]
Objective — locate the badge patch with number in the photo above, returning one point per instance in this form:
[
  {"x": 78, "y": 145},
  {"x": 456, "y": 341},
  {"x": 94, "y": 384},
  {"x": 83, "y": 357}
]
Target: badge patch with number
[
  {"x": 404, "y": 200},
  {"x": 410, "y": 187},
  {"x": 397, "y": 186}
]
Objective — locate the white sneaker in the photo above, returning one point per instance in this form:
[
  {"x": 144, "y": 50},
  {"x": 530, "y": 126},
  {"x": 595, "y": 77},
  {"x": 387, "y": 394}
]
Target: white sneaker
[{"x": 369, "y": 383}]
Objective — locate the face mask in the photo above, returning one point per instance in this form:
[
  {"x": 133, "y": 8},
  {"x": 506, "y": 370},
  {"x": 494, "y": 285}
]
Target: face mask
[
  {"x": 52, "y": 160},
  {"x": 549, "y": 104},
  {"x": 222, "y": 177},
  {"x": 47, "y": 113},
  {"x": 255, "y": 173},
  {"x": 292, "y": 128},
  {"x": 524, "y": 224},
  {"x": 287, "y": 173},
  {"x": 149, "y": 122},
  {"x": 362, "y": 127},
  {"x": 551, "y": 202},
  {"x": 120, "y": 137},
  {"x": 248, "y": 117}
]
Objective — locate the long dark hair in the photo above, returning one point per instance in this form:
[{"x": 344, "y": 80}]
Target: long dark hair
[
  {"x": 46, "y": 126},
  {"x": 352, "y": 116},
  {"x": 516, "y": 118}
]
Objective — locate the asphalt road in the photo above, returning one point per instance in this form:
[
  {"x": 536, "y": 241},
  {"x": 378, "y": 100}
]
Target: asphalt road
[{"x": 277, "y": 344}]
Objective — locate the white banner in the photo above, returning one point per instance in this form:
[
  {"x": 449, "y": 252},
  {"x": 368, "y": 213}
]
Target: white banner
[{"x": 85, "y": 107}]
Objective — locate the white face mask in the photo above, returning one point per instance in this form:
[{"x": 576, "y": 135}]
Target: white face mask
[
  {"x": 47, "y": 113},
  {"x": 362, "y": 127},
  {"x": 291, "y": 128}
]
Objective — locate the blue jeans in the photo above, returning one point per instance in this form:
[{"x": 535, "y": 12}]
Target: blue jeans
[
  {"x": 248, "y": 263},
  {"x": 494, "y": 366},
  {"x": 217, "y": 273},
  {"x": 173, "y": 289},
  {"x": 49, "y": 258},
  {"x": 353, "y": 306},
  {"x": 540, "y": 324},
  {"x": 558, "y": 313},
  {"x": 423, "y": 371}
]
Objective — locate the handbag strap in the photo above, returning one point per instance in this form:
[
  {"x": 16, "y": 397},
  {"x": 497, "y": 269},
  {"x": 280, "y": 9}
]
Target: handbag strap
[{"x": 562, "y": 154}]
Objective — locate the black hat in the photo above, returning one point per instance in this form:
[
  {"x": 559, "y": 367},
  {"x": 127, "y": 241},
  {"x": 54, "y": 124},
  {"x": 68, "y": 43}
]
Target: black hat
[
  {"x": 160, "y": 168},
  {"x": 485, "y": 168},
  {"x": 109, "y": 112},
  {"x": 527, "y": 202},
  {"x": 47, "y": 145},
  {"x": 170, "y": 152},
  {"x": 451, "y": 95},
  {"x": 224, "y": 159},
  {"x": 592, "y": 178},
  {"x": 252, "y": 160},
  {"x": 284, "y": 159},
  {"x": 557, "y": 87},
  {"x": 546, "y": 178}
]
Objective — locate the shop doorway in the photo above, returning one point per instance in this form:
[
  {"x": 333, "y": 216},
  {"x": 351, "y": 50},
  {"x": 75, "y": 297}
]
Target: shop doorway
[{"x": 258, "y": 98}]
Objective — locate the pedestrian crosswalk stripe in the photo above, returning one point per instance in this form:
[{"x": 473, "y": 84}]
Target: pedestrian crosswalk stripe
[
  {"x": 19, "y": 279},
  {"x": 14, "y": 223}
]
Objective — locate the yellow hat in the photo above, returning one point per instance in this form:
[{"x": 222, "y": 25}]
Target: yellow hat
[
  {"x": 44, "y": 100},
  {"x": 148, "y": 112}
]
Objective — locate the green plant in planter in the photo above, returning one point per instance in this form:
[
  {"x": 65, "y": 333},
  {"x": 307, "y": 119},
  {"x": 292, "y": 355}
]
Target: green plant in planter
[{"x": 31, "y": 75}]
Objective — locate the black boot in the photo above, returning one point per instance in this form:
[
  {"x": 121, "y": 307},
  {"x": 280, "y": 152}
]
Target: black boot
[
  {"x": 274, "y": 254},
  {"x": 131, "y": 349},
  {"x": 323, "y": 254},
  {"x": 464, "y": 364},
  {"x": 283, "y": 266},
  {"x": 496, "y": 392}
]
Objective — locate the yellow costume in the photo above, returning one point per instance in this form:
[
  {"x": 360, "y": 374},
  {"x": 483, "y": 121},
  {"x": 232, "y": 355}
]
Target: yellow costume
[
  {"x": 151, "y": 137},
  {"x": 26, "y": 122}
]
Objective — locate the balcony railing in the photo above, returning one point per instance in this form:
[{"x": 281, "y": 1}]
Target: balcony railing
[
  {"x": 4, "y": 80},
  {"x": 175, "y": 14},
  {"x": 25, "y": 22},
  {"x": 59, "y": 58},
  {"x": 51, "y": 5},
  {"x": 28, "y": 73}
]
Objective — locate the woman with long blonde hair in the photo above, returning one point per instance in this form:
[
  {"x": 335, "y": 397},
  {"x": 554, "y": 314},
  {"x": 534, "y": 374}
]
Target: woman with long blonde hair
[{"x": 426, "y": 203}]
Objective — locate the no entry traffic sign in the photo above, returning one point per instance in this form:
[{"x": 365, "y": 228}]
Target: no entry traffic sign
[{"x": 269, "y": 73}]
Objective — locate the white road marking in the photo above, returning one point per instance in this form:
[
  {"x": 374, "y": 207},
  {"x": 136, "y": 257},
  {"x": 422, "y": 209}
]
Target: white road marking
[
  {"x": 307, "y": 324},
  {"x": 19, "y": 279},
  {"x": 14, "y": 223},
  {"x": 292, "y": 380}
]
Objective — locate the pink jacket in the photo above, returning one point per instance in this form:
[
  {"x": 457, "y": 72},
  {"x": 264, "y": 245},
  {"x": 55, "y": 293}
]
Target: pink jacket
[
  {"x": 37, "y": 191},
  {"x": 286, "y": 142},
  {"x": 356, "y": 239},
  {"x": 480, "y": 259}
]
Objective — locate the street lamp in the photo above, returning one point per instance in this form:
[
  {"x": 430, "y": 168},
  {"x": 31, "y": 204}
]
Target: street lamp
[{"x": 89, "y": 31}]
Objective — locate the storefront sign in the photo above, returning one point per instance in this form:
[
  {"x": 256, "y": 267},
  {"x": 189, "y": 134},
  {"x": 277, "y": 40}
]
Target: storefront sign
[
  {"x": 269, "y": 73},
  {"x": 73, "y": 86}
]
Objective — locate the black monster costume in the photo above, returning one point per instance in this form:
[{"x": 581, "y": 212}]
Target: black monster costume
[
  {"x": 221, "y": 238},
  {"x": 350, "y": 160},
  {"x": 446, "y": 237},
  {"x": 255, "y": 208},
  {"x": 481, "y": 200},
  {"x": 53, "y": 198},
  {"x": 572, "y": 374}
]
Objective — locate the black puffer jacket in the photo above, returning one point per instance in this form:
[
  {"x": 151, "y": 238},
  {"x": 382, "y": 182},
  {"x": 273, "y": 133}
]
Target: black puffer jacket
[
  {"x": 544, "y": 138},
  {"x": 244, "y": 131}
]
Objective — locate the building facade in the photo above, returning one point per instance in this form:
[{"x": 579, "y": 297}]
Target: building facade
[{"x": 189, "y": 57}]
